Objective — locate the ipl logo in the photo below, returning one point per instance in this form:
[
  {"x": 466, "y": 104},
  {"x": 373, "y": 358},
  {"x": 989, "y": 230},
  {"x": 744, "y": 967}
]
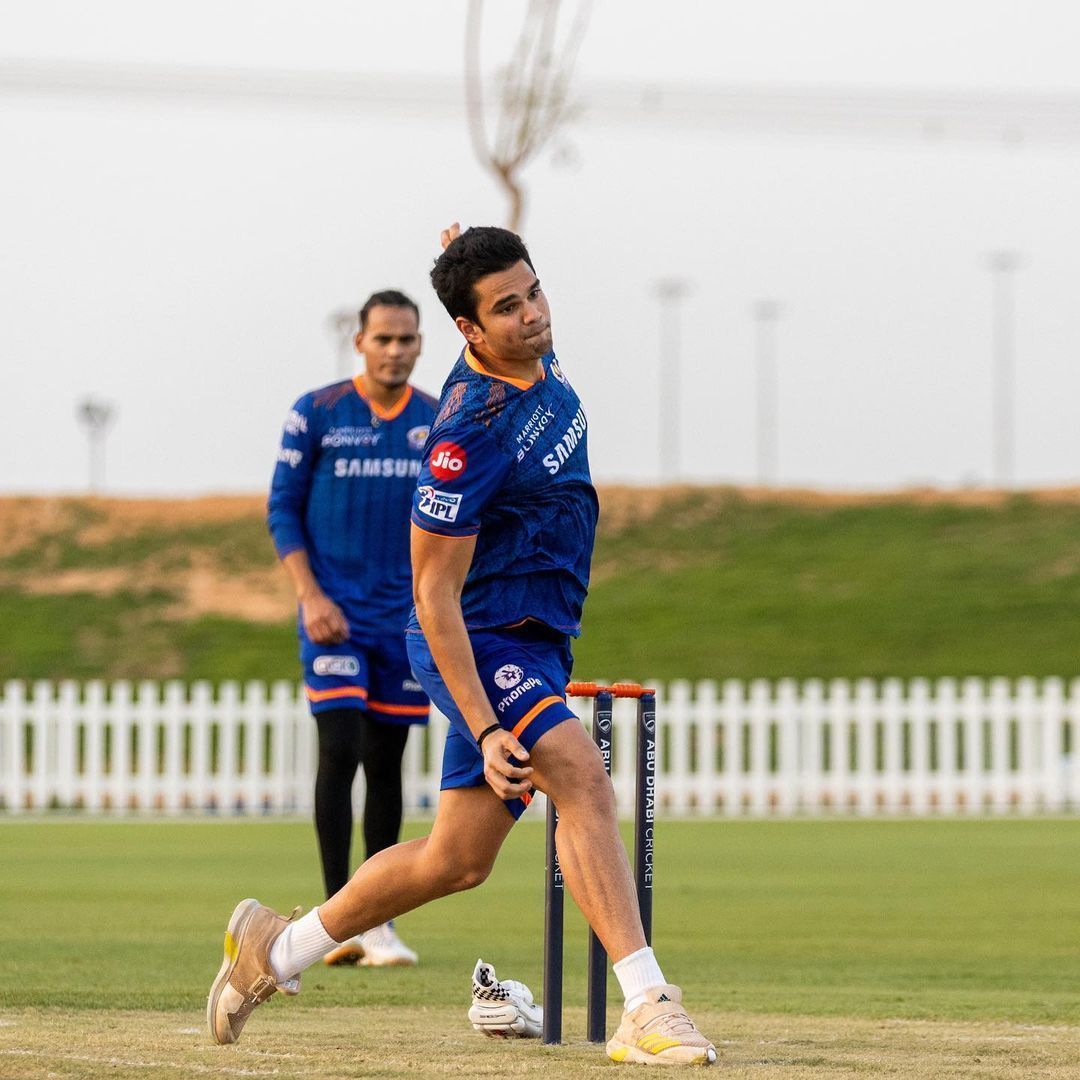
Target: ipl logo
[{"x": 508, "y": 675}]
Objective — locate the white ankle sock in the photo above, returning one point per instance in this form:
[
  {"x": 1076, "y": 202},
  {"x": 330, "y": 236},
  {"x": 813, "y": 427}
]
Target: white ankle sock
[
  {"x": 637, "y": 973},
  {"x": 299, "y": 945}
]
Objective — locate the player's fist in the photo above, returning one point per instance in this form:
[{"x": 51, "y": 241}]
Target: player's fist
[
  {"x": 323, "y": 620},
  {"x": 449, "y": 235},
  {"x": 504, "y": 767}
]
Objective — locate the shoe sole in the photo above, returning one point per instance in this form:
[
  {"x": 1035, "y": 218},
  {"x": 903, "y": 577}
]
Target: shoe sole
[
  {"x": 234, "y": 934},
  {"x": 397, "y": 961},
  {"x": 686, "y": 1055},
  {"x": 346, "y": 955}
]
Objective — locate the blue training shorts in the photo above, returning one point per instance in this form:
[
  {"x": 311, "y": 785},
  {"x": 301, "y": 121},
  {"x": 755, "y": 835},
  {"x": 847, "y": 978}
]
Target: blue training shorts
[
  {"x": 366, "y": 672},
  {"x": 524, "y": 673}
]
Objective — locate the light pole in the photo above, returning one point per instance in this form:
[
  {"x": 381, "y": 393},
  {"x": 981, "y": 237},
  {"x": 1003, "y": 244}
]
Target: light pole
[
  {"x": 96, "y": 416},
  {"x": 343, "y": 325},
  {"x": 1003, "y": 266},
  {"x": 670, "y": 291},
  {"x": 766, "y": 313}
]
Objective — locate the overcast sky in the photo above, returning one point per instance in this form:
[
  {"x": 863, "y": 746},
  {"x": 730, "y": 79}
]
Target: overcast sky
[{"x": 179, "y": 257}]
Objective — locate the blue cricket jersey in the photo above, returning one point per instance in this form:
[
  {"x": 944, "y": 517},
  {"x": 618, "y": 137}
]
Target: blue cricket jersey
[
  {"x": 342, "y": 491},
  {"x": 507, "y": 462}
]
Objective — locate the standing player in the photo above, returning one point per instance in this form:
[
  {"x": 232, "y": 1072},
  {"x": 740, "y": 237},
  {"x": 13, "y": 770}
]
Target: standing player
[
  {"x": 338, "y": 512},
  {"x": 503, "y": 528}
]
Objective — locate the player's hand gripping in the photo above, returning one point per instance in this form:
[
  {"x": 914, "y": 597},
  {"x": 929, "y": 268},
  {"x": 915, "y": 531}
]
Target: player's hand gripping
[
  {"x": 508, "y": 779},
  {"x": 323, "y": 620}
]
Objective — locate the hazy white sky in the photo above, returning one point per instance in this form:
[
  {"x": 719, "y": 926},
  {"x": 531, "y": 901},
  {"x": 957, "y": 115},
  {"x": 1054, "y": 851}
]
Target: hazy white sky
[{"x": 179, "y": 259}]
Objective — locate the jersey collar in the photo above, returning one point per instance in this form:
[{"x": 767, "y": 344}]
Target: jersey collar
[
  {"x": 378, "y": 410},
  {"x": 521, "y": 384}
]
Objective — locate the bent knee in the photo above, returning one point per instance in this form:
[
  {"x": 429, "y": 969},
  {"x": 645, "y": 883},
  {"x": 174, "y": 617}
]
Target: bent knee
[{"x": 459, "y": 875}]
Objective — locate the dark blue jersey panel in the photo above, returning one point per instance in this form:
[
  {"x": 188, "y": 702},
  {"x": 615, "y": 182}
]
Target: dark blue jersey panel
[
  {"x": 509, "y": 464},
  {"x": 342, "y": 491}
]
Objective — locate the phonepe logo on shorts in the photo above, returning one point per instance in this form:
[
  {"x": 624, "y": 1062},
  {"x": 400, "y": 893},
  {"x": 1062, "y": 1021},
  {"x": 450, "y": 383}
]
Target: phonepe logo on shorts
[
  {"x": 438, "y": 505},
  {"x": 508, "y": 675},
  {"x": 531, "y": 683},
  {"x": 448, "y": 461},
  {"x": 336, "y": 665},
  {"x": 412, "y": 686}
]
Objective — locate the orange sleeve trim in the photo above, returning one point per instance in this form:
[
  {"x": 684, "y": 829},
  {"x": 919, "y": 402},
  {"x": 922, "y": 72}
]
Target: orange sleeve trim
[
  {"x": 399, "y": 710},
  {"x": 527, "y": 798},
  {"x": 383, "y": 414},
  {"x": 336, "y": 692},
  {"x": 533, "y": 713},
  {"x": 444, "y": 536},
  {"x": 521, "y": 384}
]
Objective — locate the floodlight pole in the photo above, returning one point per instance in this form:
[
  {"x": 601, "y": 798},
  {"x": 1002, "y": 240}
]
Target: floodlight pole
[
  {"x": 670, "y": 291},
  {"x": 1003, "y": 265},
  {"x": 766, "y": 313}
]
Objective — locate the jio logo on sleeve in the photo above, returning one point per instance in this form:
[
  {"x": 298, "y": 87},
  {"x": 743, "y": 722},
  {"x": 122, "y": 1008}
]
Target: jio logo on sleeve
[{"x": 447, "y": 461}]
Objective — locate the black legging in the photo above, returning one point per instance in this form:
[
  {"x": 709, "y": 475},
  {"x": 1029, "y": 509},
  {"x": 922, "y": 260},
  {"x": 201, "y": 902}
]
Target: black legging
[{"x": 347, "y": 739}]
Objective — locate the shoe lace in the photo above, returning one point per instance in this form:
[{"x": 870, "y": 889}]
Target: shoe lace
[{"x": 675, "y": 1022}]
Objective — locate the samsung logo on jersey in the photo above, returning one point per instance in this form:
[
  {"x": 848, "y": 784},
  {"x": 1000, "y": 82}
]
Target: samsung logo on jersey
[
  {"x": 386, "y": 466},
  {"x": 567, "y": 444}
]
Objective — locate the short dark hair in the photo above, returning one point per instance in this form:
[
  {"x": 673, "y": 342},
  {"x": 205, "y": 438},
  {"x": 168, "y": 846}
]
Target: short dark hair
[
  {"x": 387, "y": 298},
  {"x": 476, "y": 253}
]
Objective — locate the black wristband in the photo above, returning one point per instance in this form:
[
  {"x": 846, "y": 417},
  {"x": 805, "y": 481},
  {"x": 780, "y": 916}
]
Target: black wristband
[{"x": 485, "y": 733}]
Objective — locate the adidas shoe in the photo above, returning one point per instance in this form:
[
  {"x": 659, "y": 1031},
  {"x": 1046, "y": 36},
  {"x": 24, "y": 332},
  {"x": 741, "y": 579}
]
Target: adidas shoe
[
  {"x": 660, "y": 1032},
  {"x": 503, "y": 1010},
  {"x": 246, "y": 978}
]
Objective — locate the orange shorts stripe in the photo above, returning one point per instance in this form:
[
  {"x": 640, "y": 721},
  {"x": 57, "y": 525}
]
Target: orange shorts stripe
[
  {"x": 533, "y": 713},
  {"x": 399, "y": 710},
  {"x": 336, "y": 692}
]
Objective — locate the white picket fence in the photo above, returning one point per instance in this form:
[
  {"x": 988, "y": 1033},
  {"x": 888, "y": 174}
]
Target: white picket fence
[{"x": 758, "y": 748}]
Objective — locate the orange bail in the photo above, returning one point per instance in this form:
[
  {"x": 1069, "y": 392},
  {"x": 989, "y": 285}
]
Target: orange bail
[
  {"x": 583, "y": 689},
  {"x": 623, "y": 690}
]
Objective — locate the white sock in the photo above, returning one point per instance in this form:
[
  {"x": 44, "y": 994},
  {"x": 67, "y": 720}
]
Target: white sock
[
  {"x": 299, "y": 945},
  {"x": 637, "y": 973}
]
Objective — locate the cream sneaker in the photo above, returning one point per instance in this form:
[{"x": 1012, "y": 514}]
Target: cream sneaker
[
  {"x": 383, "y": 948},
  {"x": 246, "y": 978},
  {"x": 660, "y": 1032}
]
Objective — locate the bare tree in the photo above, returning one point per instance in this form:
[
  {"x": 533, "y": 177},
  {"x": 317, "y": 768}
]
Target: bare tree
[
  {"x": 343, "y": 324},
  {"x": 532, "y": 93},
  {"x": 97, "y": 417}
]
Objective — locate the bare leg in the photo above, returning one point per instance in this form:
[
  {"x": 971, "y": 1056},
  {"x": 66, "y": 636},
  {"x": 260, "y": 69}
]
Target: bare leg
[
  {"x": 470, "y": 827},
  {"x": 569, "y": 769}
]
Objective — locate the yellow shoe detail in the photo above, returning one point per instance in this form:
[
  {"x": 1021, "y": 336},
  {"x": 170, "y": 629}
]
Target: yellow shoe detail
[
  {"x": 618, "y": 1054},
  {"x": 231, "y": 948},
  {"x": 657, "y": 1044}
]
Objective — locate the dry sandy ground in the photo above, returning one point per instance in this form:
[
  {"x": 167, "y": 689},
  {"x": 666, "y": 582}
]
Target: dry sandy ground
[
  {"x": 262, "y": 594},
  {"x": 305, "y": 1043}
]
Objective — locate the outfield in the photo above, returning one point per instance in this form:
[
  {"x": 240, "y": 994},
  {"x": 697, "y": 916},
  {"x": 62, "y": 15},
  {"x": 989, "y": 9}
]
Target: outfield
[{"x": 891, "y": 948}]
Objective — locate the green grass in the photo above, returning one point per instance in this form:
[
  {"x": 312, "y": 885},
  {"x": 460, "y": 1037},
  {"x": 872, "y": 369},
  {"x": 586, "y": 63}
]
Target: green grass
[
  {"x": 721, "y": 587},
  {"x": 711, "y": 586},
  {"x": 912, "y": 919}
]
